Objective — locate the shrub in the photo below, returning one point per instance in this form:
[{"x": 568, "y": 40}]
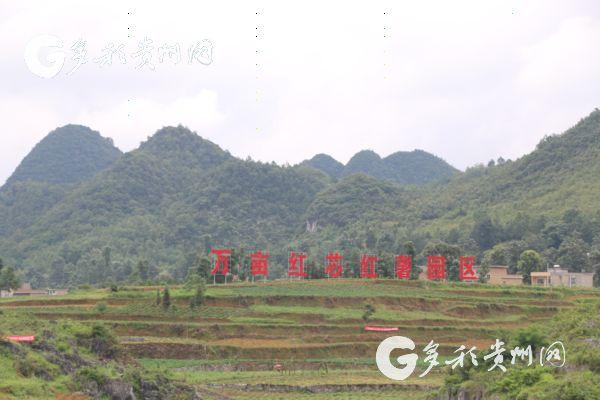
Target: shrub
[
  {"x": 34, "y": 365},
  {"x": 101, "y": 307},
  {"x": 99, "y": 340},
  {"x": 530, "y": 336},
  {"x": 369, "y": 311},
  {"x": 193, "y": 280},
  {"x": 92, "y": 374}
]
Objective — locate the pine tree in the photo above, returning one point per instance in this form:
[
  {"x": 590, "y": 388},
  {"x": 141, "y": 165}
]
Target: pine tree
[
  {"x": 198, "y": 299},
  {"x": 409, "y": 249},
  {"x": 166, "y": 301}
]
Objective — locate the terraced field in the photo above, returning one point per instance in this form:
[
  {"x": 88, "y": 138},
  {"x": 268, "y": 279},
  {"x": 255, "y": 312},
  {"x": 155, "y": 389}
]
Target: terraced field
[{"x": 314, "y": 329}]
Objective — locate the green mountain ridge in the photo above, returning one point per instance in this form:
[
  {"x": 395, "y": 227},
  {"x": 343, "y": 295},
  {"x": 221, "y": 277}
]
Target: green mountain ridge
[
  {"x": 416, "y": 167},
  {"x": 325, "y": 163},
  {"x": 70, "y": 154},
  {"x": 177, "y": 195},
  {"x": 66, "y": 157}
]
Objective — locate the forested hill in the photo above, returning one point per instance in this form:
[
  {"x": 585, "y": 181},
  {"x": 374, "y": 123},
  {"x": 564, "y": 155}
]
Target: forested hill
[
  {"x": 70, "y": 154},
  {"x": 416, "y": 167},
  {"x": 547, "y": 201},
  {"x": 153, "y": 213},
  {"x": 325, "y": 163},
  {"x": 66, "y": 157}
]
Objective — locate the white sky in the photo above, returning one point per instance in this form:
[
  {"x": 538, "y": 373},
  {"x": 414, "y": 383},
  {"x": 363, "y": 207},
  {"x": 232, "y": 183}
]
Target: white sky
[{"x": 465, "y": 80}]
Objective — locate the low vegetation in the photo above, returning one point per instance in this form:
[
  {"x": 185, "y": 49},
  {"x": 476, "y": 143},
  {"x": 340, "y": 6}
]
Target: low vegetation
[{"x": 228, "y": 344}]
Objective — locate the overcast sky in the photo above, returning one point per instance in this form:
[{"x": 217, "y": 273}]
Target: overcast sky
[{"x": 465, "y": 80}]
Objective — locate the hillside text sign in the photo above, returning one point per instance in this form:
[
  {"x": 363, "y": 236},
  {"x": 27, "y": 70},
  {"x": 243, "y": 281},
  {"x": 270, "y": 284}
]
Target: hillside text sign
[{"x": 333, "y": 266}]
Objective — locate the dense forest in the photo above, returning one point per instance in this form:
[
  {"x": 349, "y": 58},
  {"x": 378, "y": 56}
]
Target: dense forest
[{"x": 77, "y": 210}]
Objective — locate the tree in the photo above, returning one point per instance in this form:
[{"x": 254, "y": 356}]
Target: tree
[
  {"x": 199, "y": 297},
  {"x": 9, "y": 279},
  {"x": 530, "y": 336},
  {"x": 530, "y": 261},
  {"x": 409, "y": 250},
  {"x": 497, "y": 255},
  {"x": 596, "y": 271},
  {"x": 203, "y": 266},
  {"x": 513, "y": 250},
  {"x": 369, "y": 311},
  {"x": 573, "y": 253},
  {"x": 485, "y": 232},
  {"x": 58, "y": 275},
  {"x": 192, "y": 281},
  {"x": 484, "y": 270},
  {"x": 166, "y": 300},
  {"x": 370, "y": 240},
  {"x": 141, "y": 271},
  {"x": 449, "y": 252},
  {"x": 106, "y": 255}
]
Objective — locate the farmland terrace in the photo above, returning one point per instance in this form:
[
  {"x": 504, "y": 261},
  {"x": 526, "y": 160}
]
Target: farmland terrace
[{"x": 315, "y": 330}]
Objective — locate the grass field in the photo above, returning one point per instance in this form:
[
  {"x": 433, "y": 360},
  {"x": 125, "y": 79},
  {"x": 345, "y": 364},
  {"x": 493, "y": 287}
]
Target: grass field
[{"x": 228, "y": 347}]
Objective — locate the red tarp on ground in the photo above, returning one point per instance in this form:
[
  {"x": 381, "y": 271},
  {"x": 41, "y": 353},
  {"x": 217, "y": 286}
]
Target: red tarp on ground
[
  {"x": 380, "y": 329},
  {"x": 21, "y": 338}
]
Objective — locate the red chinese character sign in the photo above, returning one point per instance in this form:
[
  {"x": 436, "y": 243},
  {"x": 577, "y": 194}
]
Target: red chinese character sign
[
  {"x": 296, "y": 265},
  {"x": 368, "y": 263},
  {"x": 333, "y": 265},
  {"x": 436, "y": 268},
  {"x": 221, "y": 261},
  {"x": 466, "y": 272},
  {"x": 403, "y": 264},
  {"x": 259, "y": 264}
]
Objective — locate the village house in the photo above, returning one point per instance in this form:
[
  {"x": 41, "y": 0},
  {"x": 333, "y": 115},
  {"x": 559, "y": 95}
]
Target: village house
[
  {"x": 557, "y": 276},
  {"x": 498, "y": 275},
  {"x": 26, "y": 290}
]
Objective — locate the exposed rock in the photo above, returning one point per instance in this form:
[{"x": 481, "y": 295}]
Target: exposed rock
[
  {"x": 68, "y": 363},
  {"x": 118, "y": 390},
  {"x": 149, "y": 390}
]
